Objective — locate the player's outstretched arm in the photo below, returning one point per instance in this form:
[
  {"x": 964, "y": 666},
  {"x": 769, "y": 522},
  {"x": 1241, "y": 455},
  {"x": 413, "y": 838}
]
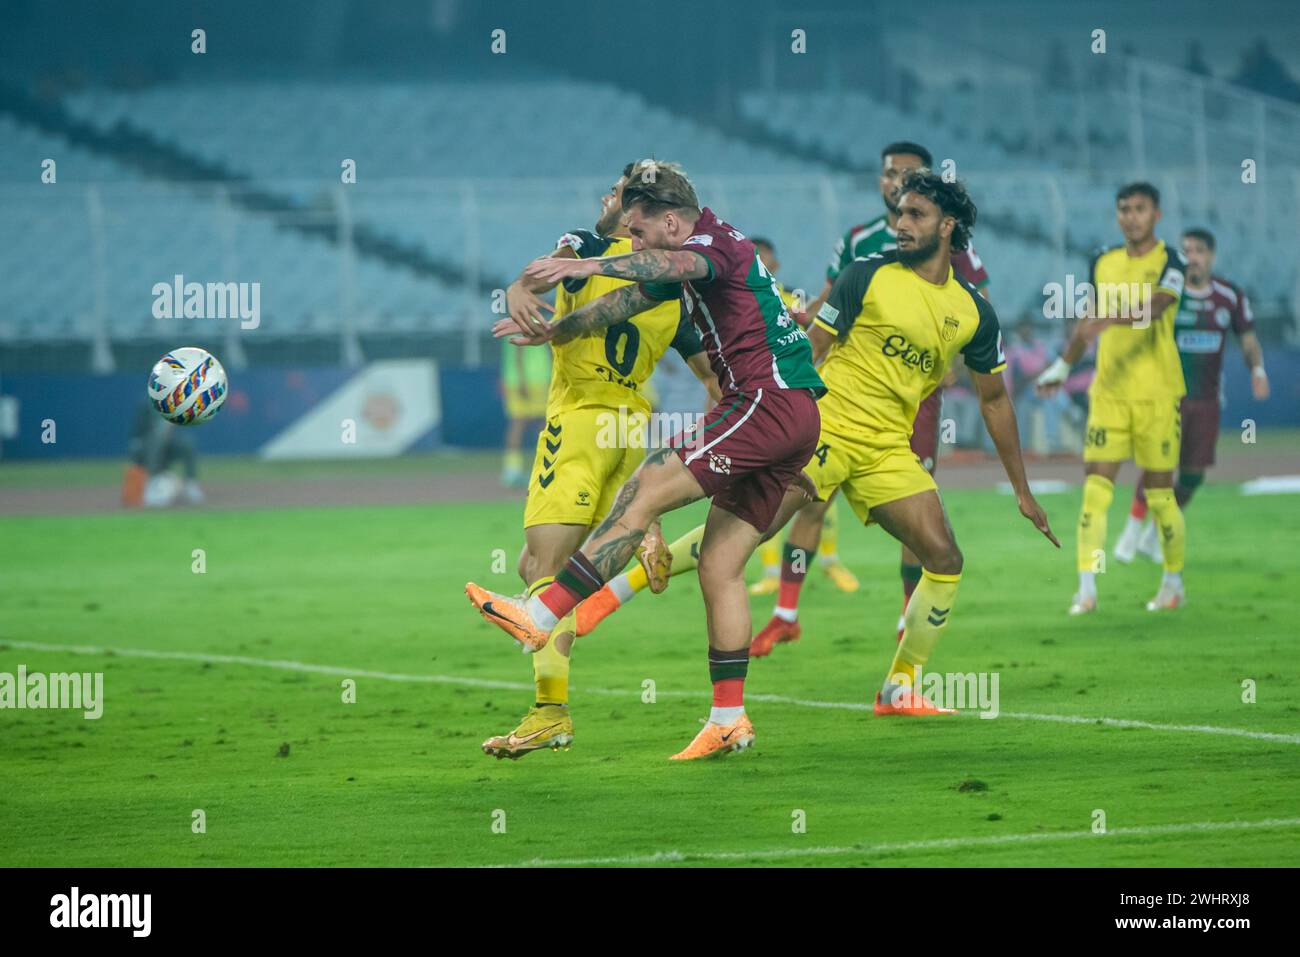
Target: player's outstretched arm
[
  {"x": 1000, "y": 419},
  {"x": 647, "y": 265},
  {"x": 607, "y": 310}
]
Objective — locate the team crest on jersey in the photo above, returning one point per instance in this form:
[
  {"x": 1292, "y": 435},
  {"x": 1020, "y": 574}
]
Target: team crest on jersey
[
  {"x": 720, "y": 464},
  {"x": 949, "y": 331},
  {"x": 1222, "y": 317}
]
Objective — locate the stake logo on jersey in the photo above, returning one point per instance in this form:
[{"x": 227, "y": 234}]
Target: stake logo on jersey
[
  {"x": 1138, "y": 362},
  {"x": 609, "y": 368},
  {"x": 1200, "y": 332},
  {"x": 752, "y": 341},
  {"x": 897, "y": 335}
]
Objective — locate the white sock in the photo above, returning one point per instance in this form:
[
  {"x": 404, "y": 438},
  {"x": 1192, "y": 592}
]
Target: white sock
[
  {"x": 1172, "y": 581},
  {"x": 1087, "y": 585},
  {"x": 621, "y": 589},
  {"x": 786, "y": 614},
  {"x": 542, "y": 616},
  {"x": 1132, "y": 528},
  {"x": 726, "y": 716}
]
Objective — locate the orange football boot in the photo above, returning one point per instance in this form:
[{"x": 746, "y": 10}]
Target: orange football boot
[
  {"x": 776, "y": 631},
  {"x": 510, "y": 615},
  {"x": 909, "y": 704},
  {"x": 594, "y": 610},
  {"x": 718, "y": 739}
]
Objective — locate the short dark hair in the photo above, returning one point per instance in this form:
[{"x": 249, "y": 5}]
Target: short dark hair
[
  {"x": 763, "y": 241},
  {"x": 658, "y": 186},
  {"x": 951, "y": 198},
  {"x": 905, "y": 146},
  {"x": 1201, "y": 233},
  {"x": 1139, "y": 189}
]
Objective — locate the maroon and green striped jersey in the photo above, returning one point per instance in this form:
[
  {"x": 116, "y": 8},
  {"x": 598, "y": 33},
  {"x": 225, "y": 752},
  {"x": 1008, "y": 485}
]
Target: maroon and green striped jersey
[
  {"x": 1200, "y": 332},
  {"x": 752, "y": 340}
]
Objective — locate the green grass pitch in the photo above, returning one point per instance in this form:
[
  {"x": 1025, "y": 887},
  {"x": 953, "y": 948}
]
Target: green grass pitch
[{"x": 286, "y": 773}]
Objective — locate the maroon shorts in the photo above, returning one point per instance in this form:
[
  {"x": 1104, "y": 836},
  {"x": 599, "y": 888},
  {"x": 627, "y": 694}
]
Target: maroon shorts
[
  {"x": 925, "y": 430},
  {"x": 1200, "y": 427},
  {"x": 749, "y": 448}
]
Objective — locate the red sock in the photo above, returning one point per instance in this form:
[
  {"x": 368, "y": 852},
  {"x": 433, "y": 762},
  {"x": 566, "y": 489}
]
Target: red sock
[
  {"x": 1139, "y": 507},
  {"x": 794, "y": 568},
  {"x": 729, "y": 693},
  {"x": 578, "y": 579}
]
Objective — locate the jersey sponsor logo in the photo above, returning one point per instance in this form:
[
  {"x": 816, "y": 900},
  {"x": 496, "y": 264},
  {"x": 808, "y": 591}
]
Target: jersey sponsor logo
[
  {"x": 828, "y": 313},
  {"x": 703, "y": 239},
  {"x": 896, "y": 346},
  {"x": 1199, "y": 340},
  {"x": 949, "y": 331}
]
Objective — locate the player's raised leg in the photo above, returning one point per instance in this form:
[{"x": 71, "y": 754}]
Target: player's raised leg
[
  {"x": 661, "y": 484},
  {"x": 683, "y": 556},
  {"x": 919, "y": 522},
  {"x": 728, "y": 542}
]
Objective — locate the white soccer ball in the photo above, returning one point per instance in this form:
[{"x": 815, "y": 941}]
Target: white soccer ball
[{"x": 188, "y": 386}]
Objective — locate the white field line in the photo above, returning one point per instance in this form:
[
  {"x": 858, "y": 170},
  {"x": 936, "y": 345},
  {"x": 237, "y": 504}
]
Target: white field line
[
  {"x": 309, "y": 668},
  {"x": 679, "y": 857}
]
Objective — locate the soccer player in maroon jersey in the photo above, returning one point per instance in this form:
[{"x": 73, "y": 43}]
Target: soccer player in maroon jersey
[
  {"x": 1209, "y": 307},
  {"x": 747, "y": 455}
]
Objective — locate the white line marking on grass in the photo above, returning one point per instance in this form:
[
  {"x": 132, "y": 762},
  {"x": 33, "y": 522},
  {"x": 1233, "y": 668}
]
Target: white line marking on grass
[
  {"x": 1272, "y": 485},
  {"x": 678, "y": 857},
  {"x": 309, "y": 668}
]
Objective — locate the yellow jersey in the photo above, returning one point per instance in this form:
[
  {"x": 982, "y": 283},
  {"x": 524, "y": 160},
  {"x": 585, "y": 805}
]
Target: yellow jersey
[
  {"x": 1138, "y": 363},
  {"x": 896, "y": 334},
  {"x": 610, "y": 368}
]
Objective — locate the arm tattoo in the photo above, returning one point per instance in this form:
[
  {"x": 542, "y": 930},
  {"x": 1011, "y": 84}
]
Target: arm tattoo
[
  {"x": 656, "y": 265},
  {"x": 610, "y": 309}
]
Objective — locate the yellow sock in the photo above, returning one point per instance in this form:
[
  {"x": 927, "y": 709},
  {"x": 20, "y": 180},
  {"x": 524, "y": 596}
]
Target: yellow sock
[
  {"x": 514, "y": 460},
  {"x": 926, "y": 614},
  {"x": 686, "y": 551},
  {"x": 686, "y": 556},
  {"x": 829, "y": 547},
  {"x": 769, "y": 554},
  {"x": 551, "y": 664},
  {"x": 1097, "y": 494},
  {"x": 1173, "y": 531}
]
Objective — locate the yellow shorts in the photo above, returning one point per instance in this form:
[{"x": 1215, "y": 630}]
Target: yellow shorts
[
  {"x": 868, "y": 476},
  {"x": 1149, "y": 431},
  {"x": 525, "y": 404},
  {"x": 583, "y": 457}
]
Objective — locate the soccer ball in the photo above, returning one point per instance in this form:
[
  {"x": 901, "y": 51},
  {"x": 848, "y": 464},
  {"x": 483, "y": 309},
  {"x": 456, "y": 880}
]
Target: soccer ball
[{"x": 188, "y": 386}]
